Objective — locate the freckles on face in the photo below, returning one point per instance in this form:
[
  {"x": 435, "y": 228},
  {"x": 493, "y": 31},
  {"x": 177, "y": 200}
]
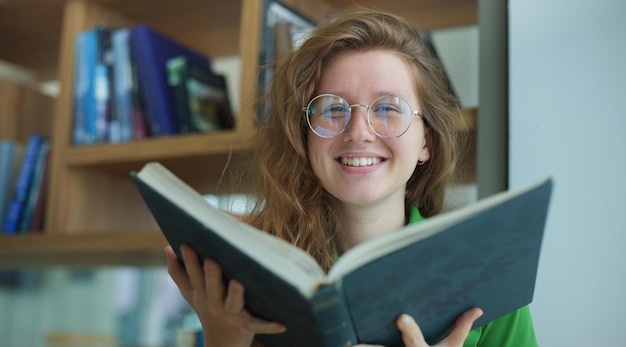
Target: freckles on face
[{"x": 356, "y": 166}]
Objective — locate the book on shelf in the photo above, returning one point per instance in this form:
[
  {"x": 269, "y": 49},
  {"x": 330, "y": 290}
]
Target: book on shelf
[
  {"x": 29, "y": 220},
  {"x": 84, "y": 126},
  {"x": 10, "y": 158},
  {"x": 107, "y": 125},
  {"x": 93, "y": 117},
  {"x": 482, "y": 255},
  {"x": 275, "y": 12},
  {"x": 151, "y": 50},
  {"x": 11, "y": 222},
  {"x": 140, "y": 123},
  {"x": 122, "y": 83},
  {"x": 200, "y": 96}
]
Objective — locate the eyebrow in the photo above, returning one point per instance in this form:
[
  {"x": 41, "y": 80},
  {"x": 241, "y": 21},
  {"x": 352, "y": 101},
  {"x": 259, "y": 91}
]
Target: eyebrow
[{"x": 376, "y": 95}]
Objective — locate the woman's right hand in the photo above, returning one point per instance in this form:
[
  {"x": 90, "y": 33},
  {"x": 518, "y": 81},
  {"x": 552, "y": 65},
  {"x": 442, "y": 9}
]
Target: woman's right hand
[
  {"x": 412, "y": 334},
  {"x": 225, "y": 321}
]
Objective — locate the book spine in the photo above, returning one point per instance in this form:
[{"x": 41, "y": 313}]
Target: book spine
[
  {"x": 7, "y": 161},
  {"x": 35, "y": 187},
  {"x": 140, "y": 128},
  {"x": 89, "y": 97},
  {"x": 37, "y": 220},
  {"x": 333, "y": 319},
  {"x": 139, "y": 50},
  {"x": 81, "y": 85},
  {"x": 176, "y": 78},
  {"x": 145, "y": 49},
  {"x": 22, "y": 185},
  {"x": 102, "y": 84},
  {"x": 122, "y": 81}
]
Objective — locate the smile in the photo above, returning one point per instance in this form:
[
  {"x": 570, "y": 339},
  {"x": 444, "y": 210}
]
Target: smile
[{"x": 360, "y": 161}]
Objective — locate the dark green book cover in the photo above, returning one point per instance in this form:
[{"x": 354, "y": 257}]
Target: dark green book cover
[{"x": 483, "y": 255}]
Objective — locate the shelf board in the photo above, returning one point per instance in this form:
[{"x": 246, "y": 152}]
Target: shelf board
[
  {"x": 194, "y": 150},
  {"x": 82, "y": 250}
]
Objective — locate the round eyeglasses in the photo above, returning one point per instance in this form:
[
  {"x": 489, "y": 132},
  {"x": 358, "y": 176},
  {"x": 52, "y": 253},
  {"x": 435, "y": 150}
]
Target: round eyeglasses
[{"x": 388, "y": 116}]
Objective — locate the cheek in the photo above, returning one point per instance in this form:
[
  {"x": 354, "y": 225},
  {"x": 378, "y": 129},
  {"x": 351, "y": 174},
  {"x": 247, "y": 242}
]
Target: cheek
[
  {"x": 409, "y": 146},
  {"x": 314, "y": 149}
]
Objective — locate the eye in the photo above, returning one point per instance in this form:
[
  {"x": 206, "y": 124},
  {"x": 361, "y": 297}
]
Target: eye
[
  {"x": 387, "y": 109},
  {"x": 336, "y": 110}
]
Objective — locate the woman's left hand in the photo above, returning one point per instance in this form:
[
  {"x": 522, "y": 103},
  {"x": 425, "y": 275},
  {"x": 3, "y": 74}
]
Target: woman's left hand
[{"x": 413, "y": 337}]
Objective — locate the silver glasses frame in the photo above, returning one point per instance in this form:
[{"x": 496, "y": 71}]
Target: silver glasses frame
[{"x": 414, "y": 113}]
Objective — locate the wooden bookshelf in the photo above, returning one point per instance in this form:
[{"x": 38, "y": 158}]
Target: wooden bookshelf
[
  {"x": 95, "y": 216},
  {"x": 140, "y": 248},
  {"x": 32, "y": 107}
]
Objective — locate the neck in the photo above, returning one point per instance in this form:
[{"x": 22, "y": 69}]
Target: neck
[{"x": 360, "y": 224}]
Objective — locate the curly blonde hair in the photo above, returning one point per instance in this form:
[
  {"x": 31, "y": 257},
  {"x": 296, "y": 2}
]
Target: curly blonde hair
[{"x": 291, "y": 204}]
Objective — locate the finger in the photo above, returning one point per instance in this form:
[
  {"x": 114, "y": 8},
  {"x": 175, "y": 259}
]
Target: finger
[
  {"x": 234, "y": 298},
  {"x": 194, "y": 270},
  {"x": 411, "y": 332},
  {"x": 462, "y": 327},
  {"x": 261, "y": 326},
  {"x": 176, "y": 270},
  {"x": 213, "y": 281}
]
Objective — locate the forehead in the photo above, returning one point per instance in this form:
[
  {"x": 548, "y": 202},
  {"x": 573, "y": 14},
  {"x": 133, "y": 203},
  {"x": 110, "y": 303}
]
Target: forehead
[{"x": 368, "y": 74}]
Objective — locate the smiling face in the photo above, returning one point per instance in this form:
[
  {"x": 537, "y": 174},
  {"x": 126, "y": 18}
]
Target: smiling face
[{"x": 356, "y": 167}]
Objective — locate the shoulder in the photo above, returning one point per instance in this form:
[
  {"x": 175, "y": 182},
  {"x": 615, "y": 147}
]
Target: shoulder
[{"x": 513, "y": 329}]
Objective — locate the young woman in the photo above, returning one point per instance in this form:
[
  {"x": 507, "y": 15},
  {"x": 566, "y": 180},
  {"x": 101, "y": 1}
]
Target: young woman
[{"x": 359, "y": 142}]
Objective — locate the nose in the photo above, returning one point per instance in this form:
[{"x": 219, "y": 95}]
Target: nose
[{"x": 358, "y": 129}]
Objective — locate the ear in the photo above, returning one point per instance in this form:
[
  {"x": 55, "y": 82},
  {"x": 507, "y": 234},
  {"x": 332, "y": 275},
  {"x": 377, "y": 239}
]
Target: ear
[{"x": 424, "y": 154}]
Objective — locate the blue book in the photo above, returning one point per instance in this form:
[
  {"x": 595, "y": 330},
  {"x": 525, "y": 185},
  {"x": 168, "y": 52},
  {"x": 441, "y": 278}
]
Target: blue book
[
  {"x": 105, "y": 117},
  {"x": 22, "y": 185},
  {"x": 151, "y": 50},
  {"x": 34, "y": 192},
  {"x": 8, "y": 161},
  {"x": 86, "y": 49},
  {"x": 122, "y": 83}
]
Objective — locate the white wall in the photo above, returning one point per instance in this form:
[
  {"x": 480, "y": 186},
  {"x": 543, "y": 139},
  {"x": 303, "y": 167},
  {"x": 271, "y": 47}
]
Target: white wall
[
  {"x": 568, "y": 120},
  {"x": 458, "y": 50}
]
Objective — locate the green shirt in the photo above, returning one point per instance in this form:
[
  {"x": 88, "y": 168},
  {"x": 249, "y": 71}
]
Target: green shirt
[{"x": 513, "y": 330}]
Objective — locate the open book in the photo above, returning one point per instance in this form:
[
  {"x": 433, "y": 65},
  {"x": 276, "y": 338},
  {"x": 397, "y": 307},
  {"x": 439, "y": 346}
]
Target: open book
[{"x": 483, "y": 255}]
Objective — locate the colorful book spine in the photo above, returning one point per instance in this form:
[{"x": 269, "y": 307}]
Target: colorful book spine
[
  {"x": 140, "y": 123},
  {"x": 84, "y": 131},
  {"x": 123, "y": 83},
  {"x": 36, "y": 185},
  {"x": 22, "y": 185},
  {"x": 107, "y": 125},
  {"x": 7, "y": 163}
]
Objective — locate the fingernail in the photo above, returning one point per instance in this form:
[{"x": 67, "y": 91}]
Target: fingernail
[
  {"x": 405, "y": 318},
  {"x": 279, "y": 328}
]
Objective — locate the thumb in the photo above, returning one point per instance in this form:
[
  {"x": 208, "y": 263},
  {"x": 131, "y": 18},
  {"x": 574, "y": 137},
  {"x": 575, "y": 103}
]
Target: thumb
[{"x": 462, "y": 327}]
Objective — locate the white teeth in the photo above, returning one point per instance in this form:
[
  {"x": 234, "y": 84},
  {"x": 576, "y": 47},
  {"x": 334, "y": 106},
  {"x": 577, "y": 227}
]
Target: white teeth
[{"x": 360, "y": 161}]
